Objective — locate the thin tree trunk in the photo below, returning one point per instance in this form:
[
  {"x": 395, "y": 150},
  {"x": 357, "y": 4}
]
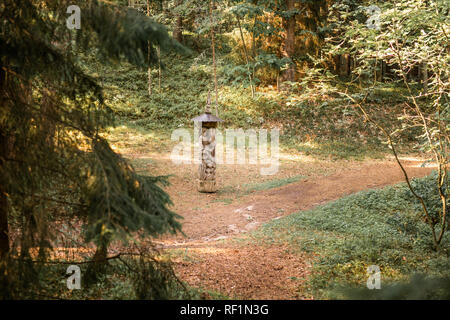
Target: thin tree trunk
[
  {"x": 425, "y": 77},
  {"x": 4, "y": 231},
  {"x": 336, "y": 63},
  {"x": 345, "y": 64},
  {"x": 289, "y": 42},
  {"x": 4, "y": 208},
  {"x": 254, "y": 44},
  {"x": 149, "y": 71},
  {"x": 254, "y": 38},
  {"x": 178, "y": 30},
  {"x": 246, "y": 55},
  {"x": 278, "y": 80},
  {"x": 214, "y": 54},
  {"x": 158, "y": 49},
  {"x": 4, "y": 154},
  {"x": 349, "y": 65},
  {"x": 375, "y": 75}
]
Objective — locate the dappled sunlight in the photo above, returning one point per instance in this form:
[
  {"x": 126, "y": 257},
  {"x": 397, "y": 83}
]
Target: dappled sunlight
[
  {"x": 190, "y": 150},
  {"x": 415, "y": 161}
]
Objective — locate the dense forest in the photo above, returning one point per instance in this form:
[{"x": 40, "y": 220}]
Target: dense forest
[{"x": 94, "y": 98}]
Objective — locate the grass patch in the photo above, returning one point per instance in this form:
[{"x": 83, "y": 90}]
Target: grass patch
[
  {"x": 253, "y": 187},
  {"x": 380, "y": 227},
  {"x": 339, "y": 149},
  {"x": 225, "y": 200},
  {"x": 276, "y": 183}
]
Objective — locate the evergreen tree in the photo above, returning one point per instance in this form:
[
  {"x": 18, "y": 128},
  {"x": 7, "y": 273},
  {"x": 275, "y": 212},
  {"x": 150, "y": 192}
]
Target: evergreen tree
[{"x": 54, "y": 163}]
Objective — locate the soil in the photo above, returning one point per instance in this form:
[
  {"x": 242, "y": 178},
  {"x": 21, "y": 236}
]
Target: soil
[
  {"x": 222, "y": 220},
  {"x": 206, "y": 255},
  {"x": 246, "y": 271}
]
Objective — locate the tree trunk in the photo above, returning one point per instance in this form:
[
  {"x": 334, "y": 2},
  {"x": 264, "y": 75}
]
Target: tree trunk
[
  {"x": 278, "y": 80},
  {"x": 158, "y": 51},
  {"x": 98, "y": 263},
  {"x": 345, "y": 65},
  {"x": 425, "y": 77},
  {"x": 149, "y": 70},
  {"x": 4, "y": 231},
  {"x": 213, "y": 4},
  {"x": 289, "y": 42},
  {"x": 336, "y": 63},
  {"x": 349, "y": 65},
  {"x": 245, "y": 55},
  {"x": 255, "y": 20},
  {"x": 4, "y": 154},
  {"x": 178, "y": 30}
]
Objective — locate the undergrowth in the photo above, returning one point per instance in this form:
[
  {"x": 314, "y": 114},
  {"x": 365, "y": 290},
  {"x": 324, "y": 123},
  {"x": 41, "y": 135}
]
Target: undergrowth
[
  {"x": 325, "y": 127},
  {"x": 126, "y": 278},
  {"x": 383, "y": 227}
]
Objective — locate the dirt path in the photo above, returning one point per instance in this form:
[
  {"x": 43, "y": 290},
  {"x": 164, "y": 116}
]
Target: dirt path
[
  {"x": 245, "y": 271},
  {"x": 222, "y": 220},
  {"x": 254, "y": 272},
  {"x": 242, "y": 269}
]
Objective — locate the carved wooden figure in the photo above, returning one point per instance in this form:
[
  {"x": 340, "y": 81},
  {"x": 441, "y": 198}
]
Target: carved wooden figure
[{"x": 206, "y": 181}]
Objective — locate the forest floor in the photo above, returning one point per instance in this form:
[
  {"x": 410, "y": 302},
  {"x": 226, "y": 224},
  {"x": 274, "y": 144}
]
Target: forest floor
[{"x": 214, "y": 254}]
